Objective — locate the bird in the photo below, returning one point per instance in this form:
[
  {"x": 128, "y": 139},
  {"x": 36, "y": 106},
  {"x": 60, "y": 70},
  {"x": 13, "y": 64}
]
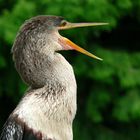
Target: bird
[{"x": 48, "y": 107}]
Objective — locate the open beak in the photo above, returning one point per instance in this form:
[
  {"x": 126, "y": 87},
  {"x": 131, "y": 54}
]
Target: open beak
[{"x": 69, "y": 45}]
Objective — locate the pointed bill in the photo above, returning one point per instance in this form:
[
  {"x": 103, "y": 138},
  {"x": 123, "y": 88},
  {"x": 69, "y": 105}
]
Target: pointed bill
[
  {"x": 69, "y": 25},
  {"x": 69, "y": 45}
]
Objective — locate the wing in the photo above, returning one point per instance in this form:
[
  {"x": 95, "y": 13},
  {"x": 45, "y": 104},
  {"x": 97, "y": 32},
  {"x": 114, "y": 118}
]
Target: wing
[
  {"x": 12, "y": 131},
  {"x": 17, "y": 130}
]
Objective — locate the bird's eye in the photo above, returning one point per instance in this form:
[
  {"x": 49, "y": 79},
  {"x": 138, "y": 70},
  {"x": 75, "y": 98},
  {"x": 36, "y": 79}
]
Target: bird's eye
[{"x": 63, "y": 23}]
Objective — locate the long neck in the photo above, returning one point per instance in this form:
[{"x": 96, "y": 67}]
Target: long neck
[
  {"x": 50, "y": 109},
  {"x": 38, "y": 63},
  {"x": 50, "y": 104}
]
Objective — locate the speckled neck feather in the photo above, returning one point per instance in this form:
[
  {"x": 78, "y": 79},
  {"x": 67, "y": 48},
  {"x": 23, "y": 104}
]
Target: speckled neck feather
[{"x": 49, "y": 106}]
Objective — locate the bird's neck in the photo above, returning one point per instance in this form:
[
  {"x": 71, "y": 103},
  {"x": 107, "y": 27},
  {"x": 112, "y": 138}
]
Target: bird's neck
[
  {"x": 50, "y": 104},
  {"x": 38, "y": 62},
  {"x": 55, "y": 85}
]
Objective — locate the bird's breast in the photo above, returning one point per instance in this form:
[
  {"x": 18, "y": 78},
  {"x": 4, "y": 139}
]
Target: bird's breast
[{"x": 49, "y": 110}]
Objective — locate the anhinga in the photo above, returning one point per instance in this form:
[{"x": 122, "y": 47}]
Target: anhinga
[{"x": 47, "y": 110}]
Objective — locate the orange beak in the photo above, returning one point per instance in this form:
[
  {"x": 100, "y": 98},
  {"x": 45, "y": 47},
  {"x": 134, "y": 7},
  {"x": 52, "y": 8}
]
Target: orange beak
[{"x": 69, "y": 45}]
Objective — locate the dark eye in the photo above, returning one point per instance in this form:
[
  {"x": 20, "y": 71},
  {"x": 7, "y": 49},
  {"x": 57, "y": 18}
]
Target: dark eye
[{"x": 63, "y": 23}]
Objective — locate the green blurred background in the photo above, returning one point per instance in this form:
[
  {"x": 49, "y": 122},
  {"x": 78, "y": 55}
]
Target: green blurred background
[{"x": 109, "y": 90}]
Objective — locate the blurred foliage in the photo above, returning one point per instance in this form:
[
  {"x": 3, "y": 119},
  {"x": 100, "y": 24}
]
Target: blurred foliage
[{"x": 108, "y": 91}]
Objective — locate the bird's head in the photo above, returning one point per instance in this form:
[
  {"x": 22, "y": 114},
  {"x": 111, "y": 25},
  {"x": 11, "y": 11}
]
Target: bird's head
[
  {"x": 34, "y": 49},
  {"x": 50, "y": 25}
]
